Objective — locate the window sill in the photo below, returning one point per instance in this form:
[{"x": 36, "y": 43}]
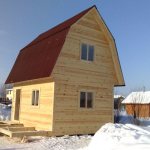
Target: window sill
[
  {"x": 35, "y": 106},
  {"x": 87, "y": 61},
  {"x": 86, "y": 109}
]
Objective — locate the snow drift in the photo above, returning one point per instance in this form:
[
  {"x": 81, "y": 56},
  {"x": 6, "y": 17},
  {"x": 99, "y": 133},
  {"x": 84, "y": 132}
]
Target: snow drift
[{"x": 120, "y": 137}]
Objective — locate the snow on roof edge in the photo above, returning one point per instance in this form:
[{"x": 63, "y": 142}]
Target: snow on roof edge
[
  {"x": 118, "y": 96},
  {"x": 137, "y": 98}
]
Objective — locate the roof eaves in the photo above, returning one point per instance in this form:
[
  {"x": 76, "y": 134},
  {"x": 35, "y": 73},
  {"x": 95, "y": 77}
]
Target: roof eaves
[{"x": 115, "y": 47}]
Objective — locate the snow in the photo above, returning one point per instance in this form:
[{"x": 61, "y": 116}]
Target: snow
[
  {"x": 47, "y": 143},
  {"x": 118, "y": 96},
  {"x": 138, "y": 97},
  {"x": 121, "y": 137},
  {"x": 124, "y": 118},
  {"x": 5, "y": 112},
  {"x": 108, "y": 137},
  {"x": 144, "y": 122}
]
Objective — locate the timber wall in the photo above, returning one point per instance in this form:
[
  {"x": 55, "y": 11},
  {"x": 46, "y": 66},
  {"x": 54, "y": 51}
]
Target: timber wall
[
  {"x": 73, "y": 75},
  {"x": 40, "y": 116}
]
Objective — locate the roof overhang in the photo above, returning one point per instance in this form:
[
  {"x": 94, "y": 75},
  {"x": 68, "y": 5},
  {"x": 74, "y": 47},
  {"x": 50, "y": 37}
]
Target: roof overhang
[{"x": 112, "y": 44}]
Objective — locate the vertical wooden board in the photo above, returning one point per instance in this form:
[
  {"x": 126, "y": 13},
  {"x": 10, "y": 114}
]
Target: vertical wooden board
[{"x": 142, "y": 110}]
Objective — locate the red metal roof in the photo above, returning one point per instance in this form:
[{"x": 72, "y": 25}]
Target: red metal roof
[{"x": 38, "y": 58}]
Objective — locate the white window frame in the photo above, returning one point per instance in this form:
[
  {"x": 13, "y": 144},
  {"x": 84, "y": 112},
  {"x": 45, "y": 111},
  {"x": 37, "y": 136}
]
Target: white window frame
[{"x": 88, "y": 45}]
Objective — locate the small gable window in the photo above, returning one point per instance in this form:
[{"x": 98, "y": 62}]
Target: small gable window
[
  {"x": 35, "y": 97},
  {"x": 86, "y": 99},
  {"x": 87, "y": 52}
]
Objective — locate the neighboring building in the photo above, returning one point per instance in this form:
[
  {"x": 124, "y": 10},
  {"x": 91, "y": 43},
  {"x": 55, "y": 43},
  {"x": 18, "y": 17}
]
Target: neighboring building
[
  {"x": 9, "y": 94},
  {"x": 138, "y": 104},
  {"x": 63, "y": 80},
  {"x": 118, "y": 102}
]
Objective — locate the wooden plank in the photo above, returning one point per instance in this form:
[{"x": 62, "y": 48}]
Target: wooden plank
[
  {"x": 9, "y": 122},
  {"x": 88, "y": 29},
  {"x": 30, "y": 133},
  {"x": 85, "y": 36},
  {"x": 5, "y": 131},
  {"x": 90, "y": 24},
  {"x": 14, "y": 125},
  {"x": 40, "y": 126},
  {"x": 19, "y": 128}
]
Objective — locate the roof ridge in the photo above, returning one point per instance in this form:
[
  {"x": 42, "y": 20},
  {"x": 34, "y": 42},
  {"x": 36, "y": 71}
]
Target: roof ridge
[{"x": 40, "y": 56}]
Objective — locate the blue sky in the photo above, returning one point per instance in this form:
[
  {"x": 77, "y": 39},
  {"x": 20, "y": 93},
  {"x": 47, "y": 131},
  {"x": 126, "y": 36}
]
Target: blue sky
[{"x": 128, "y": 20}]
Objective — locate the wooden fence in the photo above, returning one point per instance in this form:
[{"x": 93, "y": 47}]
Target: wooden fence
[{"x": 141, "y": 110}]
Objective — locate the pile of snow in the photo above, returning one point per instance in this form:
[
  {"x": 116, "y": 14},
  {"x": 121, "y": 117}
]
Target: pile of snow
[
  {"x": 65, "y": 143},
  {"x": 5, "y": 112},
  {"x": 120, "y": 137},
  {"x": 138, "y": 98}
]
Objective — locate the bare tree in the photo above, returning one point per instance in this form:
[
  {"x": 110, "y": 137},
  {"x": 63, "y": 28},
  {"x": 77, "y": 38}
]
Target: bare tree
[
  {"x": 137, "y": 99},
  {"x": 135, "y": 108}
]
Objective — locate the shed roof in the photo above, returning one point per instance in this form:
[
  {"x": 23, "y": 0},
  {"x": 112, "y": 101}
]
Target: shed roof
[
  {"x": 137, "y": 98},
  {"x": 38, "y": 58}
]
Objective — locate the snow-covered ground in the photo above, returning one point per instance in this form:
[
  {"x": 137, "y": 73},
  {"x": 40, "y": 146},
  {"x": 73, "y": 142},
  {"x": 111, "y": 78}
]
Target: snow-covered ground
[
  {"x": 46, "y": 143},
  {"x": 41, "y": 143},
  {"x": 121, "y": 137},
  {"x": 109, "y": 137}
]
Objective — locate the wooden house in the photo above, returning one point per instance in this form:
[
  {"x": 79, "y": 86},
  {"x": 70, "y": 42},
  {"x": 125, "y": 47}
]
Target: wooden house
[
  {"x": 138, "y": 104},
  {"x": 63, "y": 80}
]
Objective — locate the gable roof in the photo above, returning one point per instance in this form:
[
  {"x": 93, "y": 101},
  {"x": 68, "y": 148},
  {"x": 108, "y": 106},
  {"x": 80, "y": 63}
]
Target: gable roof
[
  {"x": 38, "y": 58},
  {"x": 137, "y": 98}
]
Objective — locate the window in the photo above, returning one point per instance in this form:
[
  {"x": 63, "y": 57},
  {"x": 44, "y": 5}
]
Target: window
[
  {"x": 87, "y": 52},
  {"x": 35, "y": 97},
  {"x": 86, "y": 99},
  {"x": 83, "y": 99}
]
